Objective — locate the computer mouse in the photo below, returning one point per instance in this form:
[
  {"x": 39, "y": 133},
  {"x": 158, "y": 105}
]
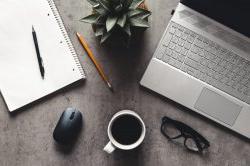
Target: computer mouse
[{"x": 68, "y": 126}]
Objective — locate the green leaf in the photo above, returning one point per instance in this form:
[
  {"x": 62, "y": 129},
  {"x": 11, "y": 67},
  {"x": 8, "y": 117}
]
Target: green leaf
[
  {"x": 119, "y": 8},
  {"x": 135, "y": 4},
  {"x": 137, "y": 22},
  {"x": 138, "y": 11},
  {"x": 93, "y": 18},
  {"x": 127, "y": 29},
  {"x": 99, "y": 31},
  {"x": 100, "y": 9},
  {"x": 132, "y": 13},
  {"x": 127, "y": 3},
  {"x": 105, "y": 4},
  {"x": 101, "y": 21},
  {"x": 142, "y": 16},
  {"x": 105, "y": 36},
  {"x": 110, "y": 22},
  {"x": 122, "y": 20},
  {"x": 93, "y": 2}
]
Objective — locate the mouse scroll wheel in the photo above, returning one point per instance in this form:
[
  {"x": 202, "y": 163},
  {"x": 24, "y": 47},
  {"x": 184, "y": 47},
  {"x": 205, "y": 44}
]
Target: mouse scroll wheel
[{"x": 72, "y": 115}]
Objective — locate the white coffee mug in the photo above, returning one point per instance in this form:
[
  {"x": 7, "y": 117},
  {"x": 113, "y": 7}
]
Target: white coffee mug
[{"x": 113, "y": 144}]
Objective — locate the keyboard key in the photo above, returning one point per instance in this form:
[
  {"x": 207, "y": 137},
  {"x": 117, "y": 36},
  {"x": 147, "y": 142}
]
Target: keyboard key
[
  {"x": 168, "y": 52},
  {"x": 178, "y": 32},
  {"x": 217, "y": 60},
  {"x": 160, "y": 52},
  {"x": 195, "y": 49},
  {"x": 181, "y": 42},
  {"x": 242, "y": 88},
  {"x": 244, "y": 81},
  {"x": 210, "y": 56},
  {"x": 172, "y": 29},
  {"x": 191, "y": 71},
  {"x": 178, "y": 48},
  {"x": 172, "y": 45},
  {"x": 194, "y": 56},
  {"x": 229, "y": 66},
  {"x": 247, "y": 67},
  {"x": 180, "y": 57},
  {"x": 236, "y": 69},
  {"x": 211, "y": 65},
  {"x": 205, "y": 43},
  {"x": 184, "y": 68},
  {"x": 167, "y": 39},
  {"x": 247, "y": 92},
  {"x": 201, "y": 52},
  {"x": 174, "y": 62},
  {"x": 248, "y": 84},
  {"x": 242, "y": 73},
  {"x": 230, "y": 75},
  {"x": 229, "y": 56},
  {"x": 223, "y": 64},
  {"x": 224, "y": 80},
  {"x": 184, "y": 51},
  {"x": 175, "y": 39},
  {"x": 191, "y": 38},
  {"x": 217, "y": 76},
  {"x": 185, "y": 35},
  {"x": 187, "y": 45},
  {"x": 210, "y": 72},
  {"x": 198, "y": 42},
  {"x": 204, "y": 61},
  {"x": 165, "y": 59},
  {"x": 174, "y": 54},
  {"x": 218, "y": 68}
]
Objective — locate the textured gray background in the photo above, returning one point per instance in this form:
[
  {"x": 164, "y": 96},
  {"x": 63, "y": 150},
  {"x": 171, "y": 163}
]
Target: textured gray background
[{"x": 26, "y": 136}]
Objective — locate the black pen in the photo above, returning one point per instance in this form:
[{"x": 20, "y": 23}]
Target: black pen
[{"x": 39, "y": 58}]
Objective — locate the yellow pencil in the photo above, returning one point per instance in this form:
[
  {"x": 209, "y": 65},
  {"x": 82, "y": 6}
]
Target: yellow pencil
[{"x": 92, "y": 57}]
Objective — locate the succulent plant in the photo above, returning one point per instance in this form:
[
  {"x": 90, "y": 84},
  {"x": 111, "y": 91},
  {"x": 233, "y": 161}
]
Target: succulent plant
[{"x": 109, "y": 15}]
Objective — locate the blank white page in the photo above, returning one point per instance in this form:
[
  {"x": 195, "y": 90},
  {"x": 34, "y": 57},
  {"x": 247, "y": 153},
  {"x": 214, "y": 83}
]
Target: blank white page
[{"x": 20, "y": 79}]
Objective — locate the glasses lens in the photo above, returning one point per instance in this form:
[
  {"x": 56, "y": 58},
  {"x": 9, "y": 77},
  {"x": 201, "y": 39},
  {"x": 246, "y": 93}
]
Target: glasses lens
[
  {"x": 191, "y": 144},
  {"x": 170, "y": 130}
]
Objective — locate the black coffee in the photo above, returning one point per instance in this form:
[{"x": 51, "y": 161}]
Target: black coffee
[{"x": 126, "y": 129}]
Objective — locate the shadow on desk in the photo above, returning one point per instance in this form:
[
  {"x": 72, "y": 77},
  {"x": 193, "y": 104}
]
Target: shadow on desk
[{"x": 127, "y": 158}]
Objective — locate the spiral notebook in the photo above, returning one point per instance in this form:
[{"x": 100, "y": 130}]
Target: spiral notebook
[{"x": 20, "y": 79}]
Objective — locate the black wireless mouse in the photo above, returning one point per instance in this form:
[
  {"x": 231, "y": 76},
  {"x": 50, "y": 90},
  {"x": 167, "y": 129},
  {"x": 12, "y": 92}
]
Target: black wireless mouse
[{"x": 68, "y": 126}]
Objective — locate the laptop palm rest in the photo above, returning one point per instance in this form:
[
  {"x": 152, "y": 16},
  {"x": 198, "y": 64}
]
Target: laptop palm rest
[{"x": 217, "y": 106}]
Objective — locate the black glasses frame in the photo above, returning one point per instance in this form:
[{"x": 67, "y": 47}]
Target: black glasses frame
[{"x": 187, "y": 132}]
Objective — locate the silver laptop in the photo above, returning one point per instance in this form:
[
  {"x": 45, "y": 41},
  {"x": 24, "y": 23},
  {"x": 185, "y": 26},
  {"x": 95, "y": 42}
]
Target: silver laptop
[{"x": 204, "y": 64}]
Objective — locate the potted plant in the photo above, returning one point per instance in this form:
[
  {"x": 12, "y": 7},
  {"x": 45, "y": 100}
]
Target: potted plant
[{"x": 117, "y": 19}]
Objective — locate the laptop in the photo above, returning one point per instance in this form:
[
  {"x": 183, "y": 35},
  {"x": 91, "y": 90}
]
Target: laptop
[{"x": 203, "y": 61}]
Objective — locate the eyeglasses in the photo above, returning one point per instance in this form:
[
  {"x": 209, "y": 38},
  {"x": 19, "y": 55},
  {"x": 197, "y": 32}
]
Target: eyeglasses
[{"x": 193, "y": 141}]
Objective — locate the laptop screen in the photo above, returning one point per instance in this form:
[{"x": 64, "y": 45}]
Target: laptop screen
[{"x": 232, "y": 13}]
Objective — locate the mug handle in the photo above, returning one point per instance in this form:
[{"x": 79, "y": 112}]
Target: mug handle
[{"x": 109, "y": 148}]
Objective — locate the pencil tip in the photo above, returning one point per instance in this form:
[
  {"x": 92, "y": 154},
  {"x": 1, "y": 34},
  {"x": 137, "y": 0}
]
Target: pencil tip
[
  {"x": 33, "y": 29},
  {"x": 110, "y": 87}
]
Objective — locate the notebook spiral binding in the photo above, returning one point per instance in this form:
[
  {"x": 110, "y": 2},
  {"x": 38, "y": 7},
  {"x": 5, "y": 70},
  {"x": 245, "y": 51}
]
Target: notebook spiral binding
[{"x": 65, "y": 35}]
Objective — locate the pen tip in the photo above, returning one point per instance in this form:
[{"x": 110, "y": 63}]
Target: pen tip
[
  {"x": 33, "y": 28},
  {"x": 110, "y": 87}
]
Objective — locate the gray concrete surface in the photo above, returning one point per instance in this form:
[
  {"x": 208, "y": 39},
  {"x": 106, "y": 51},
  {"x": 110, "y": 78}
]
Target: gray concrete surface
[{"x": 26, "y": 136}]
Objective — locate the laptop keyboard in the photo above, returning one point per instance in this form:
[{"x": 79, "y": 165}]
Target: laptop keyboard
[{"x": 206, "y": 60}]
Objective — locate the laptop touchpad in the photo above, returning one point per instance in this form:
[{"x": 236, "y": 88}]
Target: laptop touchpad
[{"x": 218, "y": 106}]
